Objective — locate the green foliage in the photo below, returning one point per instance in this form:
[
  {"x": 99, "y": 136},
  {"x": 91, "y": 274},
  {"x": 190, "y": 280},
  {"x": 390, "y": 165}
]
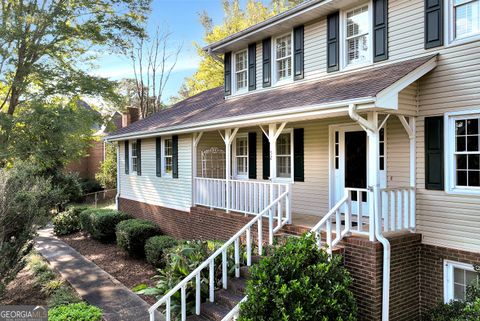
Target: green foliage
[
  {"x": 468, "y": 310},
  {"x": 52, "y": 286},
  {"x": 68, "y": 222},
  {"x": 107, "y": 176},
  {"x": 101, "y": 223},
  {"x": 156, "y": 249},
  {"x": 90, "y": 186},
  {"x": 132, "y": 235},
  {"x": 75, "y": 311},
  {"x": 63, "y": 296},
  {"x": 299, "y": 282}
]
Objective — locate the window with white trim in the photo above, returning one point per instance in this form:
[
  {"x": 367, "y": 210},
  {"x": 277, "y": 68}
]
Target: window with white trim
[
  {"x": 134, "y": 155},
  {"x": 285, "y": 155},
  {"x": 241, "y": 156},
  {"x": 357, "y": 36},
  {"x": 241, "y": 70},
  {"x": 283, "y": 57},
  {"x": 167, "y": 155},
  {"x": 466, "y": 18},
  {"x": 457, "y": 278}
]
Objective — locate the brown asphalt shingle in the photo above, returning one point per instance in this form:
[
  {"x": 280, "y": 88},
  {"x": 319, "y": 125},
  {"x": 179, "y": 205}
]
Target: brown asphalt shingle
[{"x": 211, "y": 105}]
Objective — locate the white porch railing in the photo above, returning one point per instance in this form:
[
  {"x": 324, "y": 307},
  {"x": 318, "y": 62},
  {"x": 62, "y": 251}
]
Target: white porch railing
[
  {"x": 210, "y": 262},
  {"x": 398, "y": 208}
]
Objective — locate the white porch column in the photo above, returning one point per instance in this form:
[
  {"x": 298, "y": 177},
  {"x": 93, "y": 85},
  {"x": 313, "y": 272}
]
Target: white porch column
[
  {"x": 373, "y": 173},
  {"x": 413, "y": 173},
  {"x": 117, "y": 205},
  {"x": 195, "y": 142}
]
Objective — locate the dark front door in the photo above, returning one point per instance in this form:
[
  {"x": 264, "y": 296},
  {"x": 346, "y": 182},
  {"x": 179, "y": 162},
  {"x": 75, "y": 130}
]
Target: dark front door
[{"x": 356, "y": 161}]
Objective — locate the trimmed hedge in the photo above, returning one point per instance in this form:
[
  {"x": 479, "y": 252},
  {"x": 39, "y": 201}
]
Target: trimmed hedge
[
  {"x": 156, "y": 249},
  {"x": 75, "y": 311},
  {"x": 101, "y": 223},
  {"x": 132, "y": 235},
  {"x": 68, "y": 222}
]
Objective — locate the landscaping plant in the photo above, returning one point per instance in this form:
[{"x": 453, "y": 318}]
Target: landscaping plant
[
  {"x": 68, "y": 221},
  {"x": 75, "y": 311},
  {"x": 156, "y": 249},
  {"x": 132, "y": 235},
  {"x": 299, "y": 282},
  {"x": 101, "y": 223}
]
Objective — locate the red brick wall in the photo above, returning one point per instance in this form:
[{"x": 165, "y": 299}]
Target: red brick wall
[{"x": 431, "y": 271}]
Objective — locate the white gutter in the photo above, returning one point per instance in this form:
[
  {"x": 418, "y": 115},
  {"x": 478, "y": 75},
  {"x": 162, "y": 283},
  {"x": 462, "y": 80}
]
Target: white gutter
[
  {"x": 287, "y": 114},
  {"x": 352, "y": 112},
  {"x": 118, "y": 178}
]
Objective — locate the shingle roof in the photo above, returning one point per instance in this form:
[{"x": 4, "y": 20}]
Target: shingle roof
[{"x": 210, "y": 105}]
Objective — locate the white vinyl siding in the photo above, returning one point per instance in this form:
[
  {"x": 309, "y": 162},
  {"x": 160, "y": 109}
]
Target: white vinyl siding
[{"x": 162, "y": 191}]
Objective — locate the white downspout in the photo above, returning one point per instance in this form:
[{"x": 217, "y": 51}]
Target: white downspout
[
  {"x": 368, "y": 126},
  {"x": 118, "y": 177}
]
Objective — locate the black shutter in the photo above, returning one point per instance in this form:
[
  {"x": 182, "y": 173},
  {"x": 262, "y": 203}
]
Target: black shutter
[
  {"x": 127, "y": 158},
  {"x": 265, "y": 157},
  {"x": 298, "y": 52},
  {"x": 266, "y": 62},
  {"x": 175, "y": 156},
  {"x": 298, "y": 152},
  {"x": 380, "y": 30},
  {"x": 434, "y": 153},
  {"x": 139, "y": 157},
  {"x": 227, "y": 66},
  {"x": 252, "y": 63},
  {"x": 433, "y": 23},
  {"x": 158, "y": 156},
  {"x": 333, "y": 22},
  {"x": 252, "y": 155}
]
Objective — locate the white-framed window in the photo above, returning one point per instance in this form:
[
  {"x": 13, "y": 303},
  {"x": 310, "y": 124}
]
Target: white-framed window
[
  {"x": 240, "y": 149},
  {"x": 357, "y": 36},
  {"x": 167, "y": 156},
  {"x": 283, "y": 58},
  {"x": 285, "y": 155},
  {"x": 463, "y": 152},
  {"x": 134, "y": 156},
  {"x": 241, "y": 70},
  {"x": 464, "y": 16},
  {"x": 457, "y": 277}
]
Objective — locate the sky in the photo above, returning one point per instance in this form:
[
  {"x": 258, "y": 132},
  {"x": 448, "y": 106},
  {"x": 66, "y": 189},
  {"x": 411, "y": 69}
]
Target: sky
[{"x": 182, "y": 18}]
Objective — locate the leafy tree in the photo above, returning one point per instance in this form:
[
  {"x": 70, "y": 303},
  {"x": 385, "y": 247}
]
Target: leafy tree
[
  {"x": 107, "y": 176},
  {"x": 210, "y": 71}
]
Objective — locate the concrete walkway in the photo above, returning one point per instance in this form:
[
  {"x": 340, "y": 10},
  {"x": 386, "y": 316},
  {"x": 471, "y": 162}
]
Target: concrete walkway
[{"x": 92, "y": 283}]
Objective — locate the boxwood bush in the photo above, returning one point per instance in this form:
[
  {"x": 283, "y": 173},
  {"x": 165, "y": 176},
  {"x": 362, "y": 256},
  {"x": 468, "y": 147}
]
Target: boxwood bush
[
  {"x": 68, "y": 222},
  {"x": 299, "y": 282},
  {"x": 101, "y": 223},
  {"x": 132, "y": 235},
  {"x": 75, "y": 311},
  {"x": 156, "y": 249}
]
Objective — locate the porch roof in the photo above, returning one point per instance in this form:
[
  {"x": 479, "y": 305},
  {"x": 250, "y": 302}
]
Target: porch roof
[{"x": 210, "y": 107}]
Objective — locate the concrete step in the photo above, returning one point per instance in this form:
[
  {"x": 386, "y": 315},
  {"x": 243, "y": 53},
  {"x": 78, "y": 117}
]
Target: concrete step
[
  {"x": 237, "y": 285},
  {"x": 214, "y": 311},
  {"x": 227, "y": 298},
  {"x": 196, "y": 318}
]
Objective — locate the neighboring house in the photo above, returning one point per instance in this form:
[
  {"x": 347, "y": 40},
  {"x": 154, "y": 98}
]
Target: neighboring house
[{"x": 362, "y": 116}]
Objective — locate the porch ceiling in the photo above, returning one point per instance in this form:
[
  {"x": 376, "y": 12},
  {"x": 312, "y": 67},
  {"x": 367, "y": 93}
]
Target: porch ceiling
[{"x": 372, "y": 87}]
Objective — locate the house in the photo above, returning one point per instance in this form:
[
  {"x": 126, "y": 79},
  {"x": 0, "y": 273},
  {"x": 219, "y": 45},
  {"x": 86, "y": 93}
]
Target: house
[{"x": 358, "y": 119}]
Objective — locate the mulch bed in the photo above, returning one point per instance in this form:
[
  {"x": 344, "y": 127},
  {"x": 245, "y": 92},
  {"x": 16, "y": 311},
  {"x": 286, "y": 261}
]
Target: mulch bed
[
  {"x": 130, "y": 272},
  {"x": 24, "y": 291}
]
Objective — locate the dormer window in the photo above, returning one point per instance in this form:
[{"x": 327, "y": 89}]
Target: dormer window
[
  {"x": 241, "y": 76},
  {"x": 357, "y": 36},
  {"x": 283, "y": 57}
]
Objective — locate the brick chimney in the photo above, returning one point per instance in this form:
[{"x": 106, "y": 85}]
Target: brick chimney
[{"x": 130, "y": 116}]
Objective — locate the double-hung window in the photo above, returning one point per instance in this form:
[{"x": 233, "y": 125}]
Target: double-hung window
[
  {"x": 466, "y": 18},
  {"x": 134, "y": 155},
  {"x": 457, "y": 278},
  {"x": 283, "y": 57},
  {"x": 284, "y": 155},
  {"x": 241, "y": 156},
  {"x": 241, "y": 65},
  {"x": 167, "y": 156},
  {"x": 357, "y": 36}
]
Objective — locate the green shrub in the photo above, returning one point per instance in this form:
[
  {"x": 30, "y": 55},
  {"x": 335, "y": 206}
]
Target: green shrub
[
  {"x": 299, "y": 282},
  {"x": 132, "y": 235},
  {"x": 101, "y": 223},
  {"x": 63, "y": 296},
  {"x": 90, "y": 186},
  {"x": 75, "y": 311},
  {"x": 156, "y": 249},
  {"x": 68, "y": 222},
  {"x": 51, "y": 286}
]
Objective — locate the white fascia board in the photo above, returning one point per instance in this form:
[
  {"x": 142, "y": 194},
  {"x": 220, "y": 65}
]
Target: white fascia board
[
  {"x": 388, "y": 97},
  {"x": 289, "y": 115}
]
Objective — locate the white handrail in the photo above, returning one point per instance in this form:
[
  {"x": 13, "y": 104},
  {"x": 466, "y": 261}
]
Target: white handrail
[
  {"x": 397, "y": 208},
  {"x": 210, "y": 261}
]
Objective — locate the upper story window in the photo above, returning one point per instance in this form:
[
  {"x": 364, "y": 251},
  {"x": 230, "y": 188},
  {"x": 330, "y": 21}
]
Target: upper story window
[
  {"x": 283, "y": 57},
  {"x": 167, "y": 156},
  {"x": 466, "y": 15},
  {"x": 357, "y": 36},
  {"x": 134, "y": 155},
  {"x": 285, "y": 155},
  {"x": 241, "y": 156},
  {"x": 241, "y": 65}
]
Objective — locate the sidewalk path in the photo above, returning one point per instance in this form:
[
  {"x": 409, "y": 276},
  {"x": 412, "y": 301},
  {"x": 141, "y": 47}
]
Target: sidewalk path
[{"x": 92, "y": 283}]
